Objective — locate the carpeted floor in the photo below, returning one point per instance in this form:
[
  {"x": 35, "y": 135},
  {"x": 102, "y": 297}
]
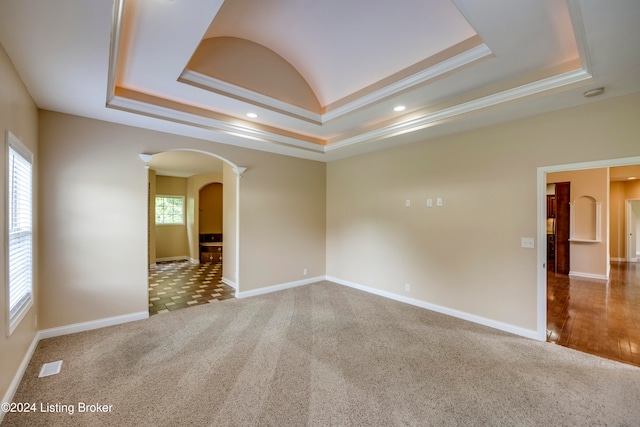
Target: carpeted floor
[{"x": 322, "y": 354}]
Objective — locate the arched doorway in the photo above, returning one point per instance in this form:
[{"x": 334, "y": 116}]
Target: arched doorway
[{"x": 182, "y": 173}]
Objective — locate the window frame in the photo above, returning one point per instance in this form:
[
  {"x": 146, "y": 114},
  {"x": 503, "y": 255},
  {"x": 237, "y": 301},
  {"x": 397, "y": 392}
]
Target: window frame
[
  {"x": 169, "y": 196},
  {"x": 15, "y": 145}
]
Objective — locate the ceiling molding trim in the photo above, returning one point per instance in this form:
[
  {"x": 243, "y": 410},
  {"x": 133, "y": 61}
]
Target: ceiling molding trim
[
  {"x": 114, "y": 47},
  {"x": 467, "y": 107},
  {"x": 211, "y": 84},
  {"x": 577, "y": 21},
  {"x": 181, "y": 117},
  {"x": 463, "y": 59}
]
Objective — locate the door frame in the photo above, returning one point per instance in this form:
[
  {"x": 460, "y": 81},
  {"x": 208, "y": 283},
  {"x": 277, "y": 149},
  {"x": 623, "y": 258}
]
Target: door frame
[
  {"x": 541, "y": 332},
  {"x": 631, "y": 255},
  {"x": 234, "y": 281}
]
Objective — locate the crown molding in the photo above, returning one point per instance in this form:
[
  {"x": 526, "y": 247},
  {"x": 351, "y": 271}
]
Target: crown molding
[
  {"x": 114, "y": 47},
  {"x": 477, "y": 104},
  {"x": 580, "y": 34},
  {"x": 211, "y": 84},
  {"x": 463, "y": 59},
  {"x": 412, "y": 125},
  {"x": 176, "y": 116}
]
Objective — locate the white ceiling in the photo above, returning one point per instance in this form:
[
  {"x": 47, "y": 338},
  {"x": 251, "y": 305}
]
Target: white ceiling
[
  {"x": 319, "y": 38},
  {"x": 185, "y": 164},
  {"x": 535, "y": 56}
]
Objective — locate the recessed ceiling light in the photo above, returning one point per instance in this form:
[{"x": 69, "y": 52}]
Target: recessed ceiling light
[
  {"x": 631, "y": 177},
  {"x": 399, "y": 108},
  {"x": 593, "y": 92},
  {"x": 252, "y": 115}
]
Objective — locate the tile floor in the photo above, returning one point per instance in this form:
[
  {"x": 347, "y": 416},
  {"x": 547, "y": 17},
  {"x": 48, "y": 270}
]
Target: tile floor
[
  {"x": 181, "y": 284},
  {"x": 596, "y": 317}
]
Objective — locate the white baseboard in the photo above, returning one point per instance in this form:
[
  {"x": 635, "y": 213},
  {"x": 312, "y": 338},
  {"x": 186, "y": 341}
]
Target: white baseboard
[
  {"x": 590, "y": 276},
  {"x": 516, "y": 330},
  {"x": 280, "y": 287},
  {"x": 229, "y": 282},
  {"x": 17, "y": 378},
  {"x": 617, "y": 259},
  {"x": 64, "y": 330},
  {"x": 93, "y": 324}
]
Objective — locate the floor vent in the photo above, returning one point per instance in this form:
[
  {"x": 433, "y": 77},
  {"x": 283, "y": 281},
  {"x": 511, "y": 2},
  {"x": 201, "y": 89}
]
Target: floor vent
[{"x": 51, "y": 368}]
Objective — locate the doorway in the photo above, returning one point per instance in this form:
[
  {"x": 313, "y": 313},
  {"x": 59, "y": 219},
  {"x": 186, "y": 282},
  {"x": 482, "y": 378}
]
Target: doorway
[
  {"x": 593, "y": 305},
  {"x": 632, "y": 229},
  {"x": 182, "y": 174}
]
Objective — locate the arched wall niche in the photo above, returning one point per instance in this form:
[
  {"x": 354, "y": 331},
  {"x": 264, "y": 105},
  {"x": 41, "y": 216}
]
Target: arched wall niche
[{"x": 586, "y": 215}]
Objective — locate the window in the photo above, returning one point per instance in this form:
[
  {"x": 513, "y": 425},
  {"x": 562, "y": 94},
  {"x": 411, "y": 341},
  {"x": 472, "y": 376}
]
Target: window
[
  {"x": 169, "y": 210},
  {"x": 19, "y": 231}
]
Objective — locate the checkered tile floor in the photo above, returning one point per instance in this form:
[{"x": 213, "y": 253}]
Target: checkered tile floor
[{"x": 181, "y": 284}]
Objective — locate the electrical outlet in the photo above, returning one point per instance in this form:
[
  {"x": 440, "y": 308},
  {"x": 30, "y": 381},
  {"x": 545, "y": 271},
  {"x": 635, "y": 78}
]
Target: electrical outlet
[
  {"x": 304, "y": 272},
  {"x": 407, "y": 287},
  {"x": 528, "y": 242},
  {"x": 429, "y": 203}
]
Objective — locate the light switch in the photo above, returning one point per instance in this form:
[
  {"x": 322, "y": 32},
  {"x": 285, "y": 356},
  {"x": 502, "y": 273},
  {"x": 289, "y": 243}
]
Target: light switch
[
  {"x": 407, "y": 203},
  {"x": 528, "y": 242},
  {"x": 429, "y": 203},
  {"x": 439, "y": 201}
]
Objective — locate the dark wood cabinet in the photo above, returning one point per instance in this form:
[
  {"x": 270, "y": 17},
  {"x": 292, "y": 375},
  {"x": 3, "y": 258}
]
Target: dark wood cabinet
[
  {"x": 210, "y": 252},
  {"x": 563, "y": 197}
]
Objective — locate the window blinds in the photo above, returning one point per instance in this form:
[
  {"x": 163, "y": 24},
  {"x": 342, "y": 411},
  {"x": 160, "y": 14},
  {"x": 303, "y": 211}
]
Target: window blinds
[{"x": 20, "y": 231}]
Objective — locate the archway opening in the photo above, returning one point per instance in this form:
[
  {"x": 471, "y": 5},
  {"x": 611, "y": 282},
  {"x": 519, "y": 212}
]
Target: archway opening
[{"x": 177, "y": 177}]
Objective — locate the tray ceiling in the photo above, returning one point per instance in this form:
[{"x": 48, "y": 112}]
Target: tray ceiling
[{"x": 321, "y": 78}]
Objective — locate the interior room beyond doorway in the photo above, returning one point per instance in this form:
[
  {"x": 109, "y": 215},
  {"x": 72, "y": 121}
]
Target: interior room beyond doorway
[
  {"x": 594, "y": 305},
  {"x": 187, "y": 230}
]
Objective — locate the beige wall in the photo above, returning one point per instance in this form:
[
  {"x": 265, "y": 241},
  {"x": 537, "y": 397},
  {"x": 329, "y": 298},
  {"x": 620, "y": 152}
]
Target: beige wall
[
  {"x": 587, "y": 185},
  {"x": 229, "y": 225},
  {"x": 89, "y": 163},
  {"x": 172, "y": 240},
  {"x": 210, "y": 197},
  {"x": 282, "y": 212},
  {"x": 465, "y": 255},
  {"x": 152, "y": 217},
  {"x": 621, "y": 191},
  {"x": 19, "y": 115},
  {"x": 632, "y": 189}
]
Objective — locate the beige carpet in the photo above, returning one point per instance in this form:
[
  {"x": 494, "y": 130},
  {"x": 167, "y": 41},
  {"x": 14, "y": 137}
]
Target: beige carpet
[{"x": 322, "y": 355}]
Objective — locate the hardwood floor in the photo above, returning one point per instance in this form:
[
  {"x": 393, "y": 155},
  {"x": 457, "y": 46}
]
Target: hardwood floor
[{"x": 596, "y": 317}]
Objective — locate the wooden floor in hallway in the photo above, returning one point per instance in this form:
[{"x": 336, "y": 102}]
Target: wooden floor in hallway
[{"x": 595, "y": 317}]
